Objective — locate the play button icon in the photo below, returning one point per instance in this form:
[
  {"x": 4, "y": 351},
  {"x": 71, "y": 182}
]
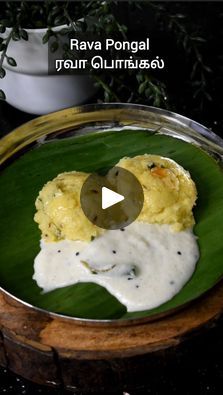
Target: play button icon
[
  {"x": 109, "y": 198},
  {"x": 113, "y": 200}
]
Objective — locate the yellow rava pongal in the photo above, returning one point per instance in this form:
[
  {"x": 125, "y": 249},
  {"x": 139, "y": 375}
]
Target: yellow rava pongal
[
  {"x": 59, "y": 213},
  {"x": 169, "y": 196},
  {"x": 169, "y": 191}
]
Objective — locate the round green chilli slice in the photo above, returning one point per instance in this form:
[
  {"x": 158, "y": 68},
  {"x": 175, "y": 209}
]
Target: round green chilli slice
[{"x": 21, "y": 181}]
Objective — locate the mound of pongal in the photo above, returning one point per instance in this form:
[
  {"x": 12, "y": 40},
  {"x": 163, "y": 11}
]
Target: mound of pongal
[
  {"x": 59, "y": 214},
  {"x": 169, "y": 197},
  {"x": 169, "y": 191}
]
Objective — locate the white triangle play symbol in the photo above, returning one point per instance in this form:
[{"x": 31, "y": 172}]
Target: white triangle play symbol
[{"x": 109, "y": 198}]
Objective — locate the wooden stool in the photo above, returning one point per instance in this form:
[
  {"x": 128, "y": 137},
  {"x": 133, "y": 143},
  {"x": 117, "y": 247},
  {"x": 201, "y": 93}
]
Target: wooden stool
[{"x": 59, "y": 352}]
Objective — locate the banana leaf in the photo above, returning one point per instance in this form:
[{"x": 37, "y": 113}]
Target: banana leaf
[{"x": 21, "y": 180}]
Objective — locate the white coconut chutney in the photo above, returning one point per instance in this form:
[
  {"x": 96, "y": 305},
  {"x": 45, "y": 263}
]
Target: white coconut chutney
[{"x": 142, "y": 265}]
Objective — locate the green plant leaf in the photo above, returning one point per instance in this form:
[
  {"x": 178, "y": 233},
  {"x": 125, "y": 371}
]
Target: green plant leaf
[
  {"x": 2, "y": 73},
  {"x": 2, "y": 47},
  {"x": 2, "y": 29},
  {"x": 24, "y": 34},
  {"x": 148, "y": 92},
  {"x": 198, "y": 39},
  {"x": 22, "y": 179},
  {"x": 179, "y": 16},
  {"x": 11, "y": 61},
  {"x": 55, "y": 10},
  {"x": 54, "y": 46},
  {"x": 46, "y": 37},
  {"x": 16, "y": 35},
  {"x": 2, "y": 95},
  {"x": 142, "y": 87},
  {"x": 5, "y": 23}
]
